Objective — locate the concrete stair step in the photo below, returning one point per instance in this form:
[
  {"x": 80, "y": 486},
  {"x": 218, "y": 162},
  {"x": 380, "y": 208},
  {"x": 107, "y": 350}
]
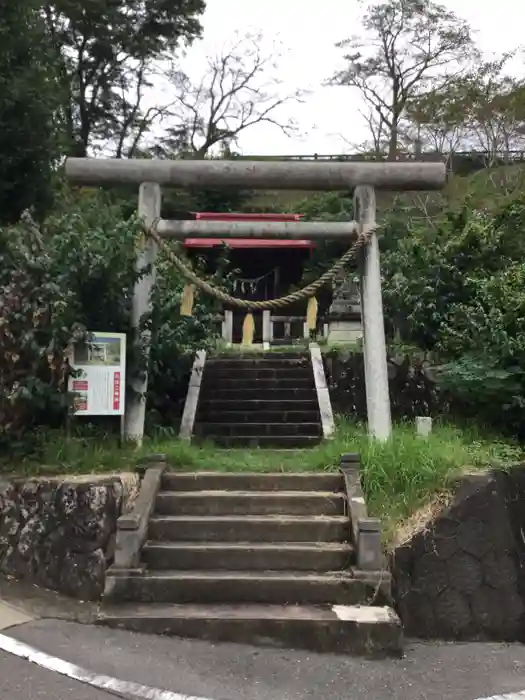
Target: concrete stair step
[
  {"x": 272, "y": 587},
  {"x": 312, "y": 556},
  {"x": 231, "y": 502},
  {"x": 257, "y": 404},
  {"x": 332, "y": 629},
  {"x": 264, "y": 441},
  {"x": 256, "y": 372},
  {"x": 253, "y": 392},
  {"x": 258, "y": 429},
  {"x": 246, "y": 481},
  {"x": 214, "y": 382},
  {"x": 254, "y": 528},
  {"x": 269, "y": 359},
  {"x": 204, "y": 414}
]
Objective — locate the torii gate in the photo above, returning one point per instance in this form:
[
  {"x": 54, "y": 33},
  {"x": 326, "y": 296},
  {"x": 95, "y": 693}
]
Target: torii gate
[{"x": 366, "y": 177}]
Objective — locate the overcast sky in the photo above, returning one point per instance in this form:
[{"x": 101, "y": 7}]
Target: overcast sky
[{"x": 308, "y": 32}]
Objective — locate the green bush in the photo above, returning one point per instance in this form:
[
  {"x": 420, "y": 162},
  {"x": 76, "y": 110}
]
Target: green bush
[
  {"x": 76, "y": 274},
  {"x": 458, "y": 290}
]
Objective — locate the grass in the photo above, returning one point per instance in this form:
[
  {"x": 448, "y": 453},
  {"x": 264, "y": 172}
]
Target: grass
[{"x": 399, "y": 476}]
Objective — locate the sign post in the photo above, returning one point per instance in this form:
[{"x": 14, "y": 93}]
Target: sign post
[{"x": 99, "y": 387}]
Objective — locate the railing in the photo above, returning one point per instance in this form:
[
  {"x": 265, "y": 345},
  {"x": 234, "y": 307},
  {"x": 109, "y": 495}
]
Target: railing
[
  {"x": 279, "y": 328},
  {"x": 288, "y": 324},
  {"x": 511, "y": 156},
  {"x": 294, "y": 327}
]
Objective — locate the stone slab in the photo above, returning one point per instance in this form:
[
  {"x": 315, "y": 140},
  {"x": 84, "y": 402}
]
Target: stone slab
[
  {"x": 323, "y": 394},
  {"x": 287, "y": 528},
  {"x": 350, "y": 587},
  {"x": 363, "y": 630},
  {"x": 12, "y": 617},
  {"x": 192, "y": 397}
]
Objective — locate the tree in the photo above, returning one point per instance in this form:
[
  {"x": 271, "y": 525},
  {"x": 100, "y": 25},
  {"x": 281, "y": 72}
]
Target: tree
[
  {"x": 73, "y": 274},
  {"x": 29, "y": 100},
  {"x": 437, "y": 120},
  {"x": 238, "y": 91},
  {"x": 106, "y": 53},
  {"x": 482, "y": 110},
  {"x": 408, "y": 47},
  {"x": 497, "y": 114}
]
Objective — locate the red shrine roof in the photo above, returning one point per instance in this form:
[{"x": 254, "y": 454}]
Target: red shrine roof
[{"x": 246, "y": 242}]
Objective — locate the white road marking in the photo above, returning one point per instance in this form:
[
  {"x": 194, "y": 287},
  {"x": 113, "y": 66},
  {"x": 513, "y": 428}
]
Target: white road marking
[
  {"x": 64, "y": 668},
  {"x": 115, "y": 685}
]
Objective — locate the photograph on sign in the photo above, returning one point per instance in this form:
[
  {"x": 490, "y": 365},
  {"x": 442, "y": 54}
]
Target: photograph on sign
[{"x": 98, "y": 386}]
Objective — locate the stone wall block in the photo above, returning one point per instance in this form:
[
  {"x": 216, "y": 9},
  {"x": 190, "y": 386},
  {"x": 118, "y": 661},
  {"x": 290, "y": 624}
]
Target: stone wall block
[
  {"x": 462, "y": 575},
  {"x": 60, "y": 533}
]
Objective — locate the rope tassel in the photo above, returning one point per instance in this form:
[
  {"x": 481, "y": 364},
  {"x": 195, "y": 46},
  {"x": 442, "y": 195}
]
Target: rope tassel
[
  {"x": 248, "y": 329},
  {"x": 186, "y": 304},
  {"x": 311, "y": 314}
]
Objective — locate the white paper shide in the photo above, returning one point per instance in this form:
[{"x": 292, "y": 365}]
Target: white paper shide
[{"x": 99, "y": 385}]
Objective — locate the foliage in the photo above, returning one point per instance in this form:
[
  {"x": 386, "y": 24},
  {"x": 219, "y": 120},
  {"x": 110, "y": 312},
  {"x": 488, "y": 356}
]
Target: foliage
[
  {"x": 77, "y": 273},
  {"x": 331, "y": 206},
  {"x": 453, "y": 285},
  {"x": 106, "y": 51},
  {"x": 37, "y": 315},
  {"x": 407, "y": 47},
  {"x": 28, "y": 106},
  {"x": 482, "y": 109},
  {"x": 458, "y": 290}
]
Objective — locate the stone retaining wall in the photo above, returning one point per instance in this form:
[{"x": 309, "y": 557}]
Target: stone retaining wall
[
  {"x": 413, "y": 390},
  {"x": 461, "y": 575},
  {"x": 60, "y": 532}
]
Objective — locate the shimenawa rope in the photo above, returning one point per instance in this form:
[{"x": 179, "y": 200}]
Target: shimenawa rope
[{"x": 301, "y": 294}]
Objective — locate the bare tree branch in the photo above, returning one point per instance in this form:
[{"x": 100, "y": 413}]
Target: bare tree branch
[
  {"x": 409, "y": 46},
  {"x": 238, "y": 91}
]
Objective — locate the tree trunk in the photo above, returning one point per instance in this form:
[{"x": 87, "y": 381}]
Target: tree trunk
[{"x": 392, "y": 143}]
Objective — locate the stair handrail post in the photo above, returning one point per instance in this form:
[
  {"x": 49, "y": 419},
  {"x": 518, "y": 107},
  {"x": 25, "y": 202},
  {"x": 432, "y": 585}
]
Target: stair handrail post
[
  {"x": 227, "y": 327},
  {"x": 267, "y": 328}
]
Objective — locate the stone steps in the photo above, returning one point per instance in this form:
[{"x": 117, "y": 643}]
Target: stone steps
[
  {"x": 264, "y": 416},
  {"x": 257, "y": 406},
  {"x": 260, "y": 374},
  {"x": 261, "y": 558},
  {"x": 313, "y": 503},
  {"x": 265, "y": 587},
  {"x": 248, "y": 391},
  {"x": 249, "y": 556},
  {"x": 330, "y": 629},
  {"x": 285, "y": 442},
  {"x": 261, "y": 400},
  {"x": 258, "y": 481},
  {"x": 260, "y": 359},
  {"x": 253, "y": 528},
  {"x": 256, "y": 428},
  {"x": 282, "y": 380}
]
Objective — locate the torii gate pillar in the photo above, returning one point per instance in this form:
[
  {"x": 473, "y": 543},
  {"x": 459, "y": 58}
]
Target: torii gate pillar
[
  {"x": 374, "y": 343},
  {"x": 150, "y": 199}
]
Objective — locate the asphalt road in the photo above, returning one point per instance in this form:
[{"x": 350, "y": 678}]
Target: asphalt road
[
  {"x": 232, "y": 672},
  {"x": 19, "y": 679}
]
